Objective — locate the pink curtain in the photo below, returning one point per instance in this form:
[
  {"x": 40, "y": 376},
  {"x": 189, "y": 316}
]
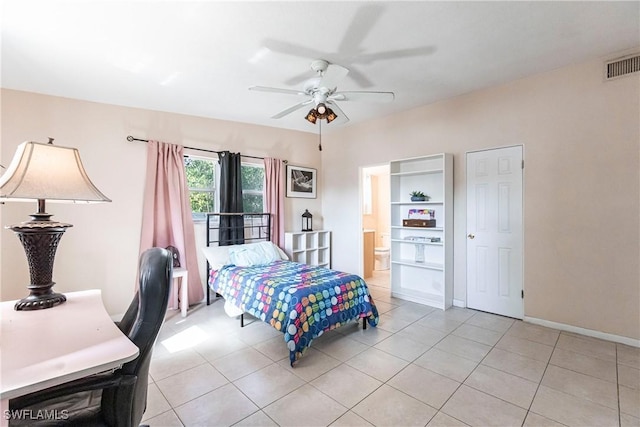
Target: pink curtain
[
  {"x": 274, "y": 198},
  {"x": 166, "y": 215}
]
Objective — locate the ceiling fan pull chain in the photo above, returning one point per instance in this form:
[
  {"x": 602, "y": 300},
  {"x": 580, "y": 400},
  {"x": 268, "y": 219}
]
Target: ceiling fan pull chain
[{"x": 320, "y": 135}]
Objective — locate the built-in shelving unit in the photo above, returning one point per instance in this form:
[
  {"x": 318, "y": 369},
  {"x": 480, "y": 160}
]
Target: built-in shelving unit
[
  {"x": 309, "y": 247},
  {"x": 422, "y": 257}
]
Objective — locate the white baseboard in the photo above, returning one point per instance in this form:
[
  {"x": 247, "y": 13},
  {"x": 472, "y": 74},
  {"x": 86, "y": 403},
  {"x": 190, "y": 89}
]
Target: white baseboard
[
  {"x": 459, "y": 303},
  {"x": 588, "y": 332}
]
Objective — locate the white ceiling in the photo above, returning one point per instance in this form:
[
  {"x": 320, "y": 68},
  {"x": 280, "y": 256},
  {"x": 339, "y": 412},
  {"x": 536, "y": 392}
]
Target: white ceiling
[{"x": 200, "y": 57}]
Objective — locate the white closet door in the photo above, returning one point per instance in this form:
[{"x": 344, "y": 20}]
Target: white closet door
[{"x": 494, "y": 231}]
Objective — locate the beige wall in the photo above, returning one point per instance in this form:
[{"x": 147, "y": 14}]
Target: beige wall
[
  {"x": 581, "y": 186},
  {"x": 101, "y": 249}
]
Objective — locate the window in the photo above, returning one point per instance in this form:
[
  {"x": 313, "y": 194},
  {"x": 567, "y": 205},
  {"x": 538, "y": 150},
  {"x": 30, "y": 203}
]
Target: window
[
  {"x": 202, "y": 180},
  {"x": 253, "y": 188}
]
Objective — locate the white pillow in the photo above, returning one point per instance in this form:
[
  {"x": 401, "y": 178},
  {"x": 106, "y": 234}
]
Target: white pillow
[
  {"x": 219, "y": 255},
  {"x": 282, "y": 253},
  {"x": 279, "y": 253},
  {"x": 253, "y": 254}
]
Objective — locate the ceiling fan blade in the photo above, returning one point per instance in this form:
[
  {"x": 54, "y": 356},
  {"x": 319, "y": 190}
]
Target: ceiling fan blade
[
  {"x": 363, "y": 96},
  {"x": 359, "y": 78},
  {"x": 292, "y": 109},
  {"x": 291, "y": 49},
  {"x": 276, "y": 90},
  {"x": 367, "y": 58},
  {"x": 342, "y": 116},
  {"x": 332, "y": 76},
  {"x": 362, "y": 23},
  {"x": 296, "y": 80}
]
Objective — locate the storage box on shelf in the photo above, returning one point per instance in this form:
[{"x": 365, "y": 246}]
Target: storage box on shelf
[
  {"x": 419, "y": 223},
  {"x": 309, "y": 247},
  {"x": 422, "y": 253}
]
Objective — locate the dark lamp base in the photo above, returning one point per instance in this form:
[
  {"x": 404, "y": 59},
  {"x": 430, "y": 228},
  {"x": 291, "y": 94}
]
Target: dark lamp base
[
  {"x": 38, "y": 302},
  {"x": 39, "y": 238}
]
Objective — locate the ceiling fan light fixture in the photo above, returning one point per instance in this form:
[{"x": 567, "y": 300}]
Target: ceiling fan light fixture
[
  {"x": 312, "y": 116},
  {"x": 321, "y": 108},
  {"x": 330, "y": 116}
]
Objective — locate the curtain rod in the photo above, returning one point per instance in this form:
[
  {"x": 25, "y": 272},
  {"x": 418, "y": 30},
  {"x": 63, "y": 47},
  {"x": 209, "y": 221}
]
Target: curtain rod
[{"x": 131, "y": 139}]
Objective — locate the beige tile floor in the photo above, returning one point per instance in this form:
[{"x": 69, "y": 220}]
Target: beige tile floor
[{"x": 419, "y": 367}]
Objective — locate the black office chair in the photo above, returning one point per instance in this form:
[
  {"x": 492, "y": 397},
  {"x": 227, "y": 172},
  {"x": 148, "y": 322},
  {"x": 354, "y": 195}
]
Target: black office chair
[{"x": 116, "y": 398}]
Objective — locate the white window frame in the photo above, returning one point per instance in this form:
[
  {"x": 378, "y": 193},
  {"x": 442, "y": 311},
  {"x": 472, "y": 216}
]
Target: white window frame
[{"x": 198, "y": 216}]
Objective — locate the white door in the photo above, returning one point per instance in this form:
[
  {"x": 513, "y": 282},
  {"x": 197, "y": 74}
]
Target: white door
[{"x": 494, "y": 231}]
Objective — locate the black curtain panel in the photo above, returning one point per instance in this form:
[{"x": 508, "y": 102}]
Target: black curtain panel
[{"x": 231, "y": 226}]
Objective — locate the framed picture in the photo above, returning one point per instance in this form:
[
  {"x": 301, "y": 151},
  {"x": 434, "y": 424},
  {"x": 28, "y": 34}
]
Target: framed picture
[{"x": 301, "y": 182}]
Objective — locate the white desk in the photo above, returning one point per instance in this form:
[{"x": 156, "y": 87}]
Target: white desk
[
  {"x": 43, "y": 348},
  {"x": 183, "y": 275}
]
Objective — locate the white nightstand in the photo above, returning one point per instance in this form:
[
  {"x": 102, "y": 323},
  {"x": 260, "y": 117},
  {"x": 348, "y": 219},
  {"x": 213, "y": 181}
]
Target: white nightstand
[{"x": 182, "y": 274}]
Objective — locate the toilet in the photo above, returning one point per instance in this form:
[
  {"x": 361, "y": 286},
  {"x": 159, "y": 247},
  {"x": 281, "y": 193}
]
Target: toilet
[{"x": 382, "y": 253}]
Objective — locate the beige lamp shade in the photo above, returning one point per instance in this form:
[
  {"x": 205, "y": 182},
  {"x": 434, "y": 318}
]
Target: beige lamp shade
[{"x": 47, "y": 171}]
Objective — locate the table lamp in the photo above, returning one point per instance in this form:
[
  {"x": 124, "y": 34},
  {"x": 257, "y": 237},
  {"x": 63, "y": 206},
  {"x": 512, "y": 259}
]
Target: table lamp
[{"x": 44, "y": 172}]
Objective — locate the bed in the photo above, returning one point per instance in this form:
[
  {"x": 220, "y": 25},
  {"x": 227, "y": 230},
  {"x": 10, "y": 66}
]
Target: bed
[{"x": 301, "y": 301}]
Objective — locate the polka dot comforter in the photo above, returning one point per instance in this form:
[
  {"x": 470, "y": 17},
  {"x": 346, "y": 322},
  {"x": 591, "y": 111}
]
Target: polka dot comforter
[{"x": 300, "y": 300}]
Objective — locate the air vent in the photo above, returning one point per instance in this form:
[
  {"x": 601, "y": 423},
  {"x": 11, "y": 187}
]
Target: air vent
[{"x": 622, "y": 66}]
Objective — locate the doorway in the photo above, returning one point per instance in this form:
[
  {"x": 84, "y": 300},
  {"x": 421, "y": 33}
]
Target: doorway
[
  {"x": 495, "y": 231},
  {"x": 376, "y": 225}
]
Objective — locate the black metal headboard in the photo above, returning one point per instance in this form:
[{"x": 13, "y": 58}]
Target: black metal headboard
[{"x": 257, "y": 228}]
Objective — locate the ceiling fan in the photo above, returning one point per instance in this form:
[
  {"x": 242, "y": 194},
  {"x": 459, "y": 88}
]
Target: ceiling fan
[{"x": 322, "y": 92}]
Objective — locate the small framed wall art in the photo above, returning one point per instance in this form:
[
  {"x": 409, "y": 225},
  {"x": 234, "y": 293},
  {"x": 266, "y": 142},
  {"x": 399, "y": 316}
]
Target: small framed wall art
[{"x": 301, "y": 182}]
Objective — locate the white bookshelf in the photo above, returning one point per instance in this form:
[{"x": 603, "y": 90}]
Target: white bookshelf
[
  {"x": 422, "y": 257},
  {"x": 309, "y": 247}
]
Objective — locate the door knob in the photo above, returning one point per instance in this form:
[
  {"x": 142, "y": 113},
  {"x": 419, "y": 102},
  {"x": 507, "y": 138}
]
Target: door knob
[{"x": 471, "y": 236}]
